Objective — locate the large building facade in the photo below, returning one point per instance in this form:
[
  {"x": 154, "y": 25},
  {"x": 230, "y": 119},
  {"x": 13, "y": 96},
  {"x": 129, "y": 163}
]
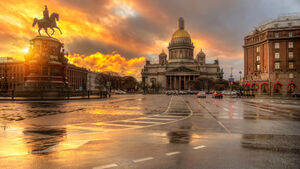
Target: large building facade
[
  {"x": 11, "y": 73},
  {"x": 13, "y": 76},
  {"x": 272, "y": 57},
  {"x": 176, "y": 71}
]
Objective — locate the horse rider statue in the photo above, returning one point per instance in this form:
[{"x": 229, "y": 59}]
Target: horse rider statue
[
  {"x": 46, "y": 14},
  {"x": 47, "y": 22}
]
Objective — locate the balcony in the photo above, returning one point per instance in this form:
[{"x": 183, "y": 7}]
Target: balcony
[
  {"x": 277, "y": 60},
  {"x": 292, "y": 69},
  {"x": 277, "y": 69},
  {"x": 291, "y": 59}
]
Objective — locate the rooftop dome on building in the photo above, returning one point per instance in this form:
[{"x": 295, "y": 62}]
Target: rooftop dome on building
[
  {"x": 282, "y": 21},
  {"x": 181, "y": 36}
]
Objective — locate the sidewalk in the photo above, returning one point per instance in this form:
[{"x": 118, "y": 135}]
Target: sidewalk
[{"x": 49, "y": 98}]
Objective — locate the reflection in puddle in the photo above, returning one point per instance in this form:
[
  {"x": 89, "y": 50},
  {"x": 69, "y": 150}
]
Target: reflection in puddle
[
  {"x": 181, "y": 136},
  {"x": 41, "y": 140},
  {"x": 280, "y": 143}
]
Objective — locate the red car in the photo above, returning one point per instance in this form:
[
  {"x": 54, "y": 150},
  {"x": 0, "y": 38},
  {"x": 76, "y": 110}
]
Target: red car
[{"x": 217, "y": 94}]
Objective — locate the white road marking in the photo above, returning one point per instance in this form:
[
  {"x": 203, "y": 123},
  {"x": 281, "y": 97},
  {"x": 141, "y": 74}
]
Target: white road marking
[
  {"x": 172, "y": 153},
  {"x": 225, "y": 109},
  {"x": 198, "y": 147},
  {"x": 150, "y": 118},
  {"x": 106, "y": 166},
  {"x": 164, "y": 116},
  {"x": 119, "y": 125},
  {"x": 140, "y": 121},
  {"x": 142, "y": 159}
]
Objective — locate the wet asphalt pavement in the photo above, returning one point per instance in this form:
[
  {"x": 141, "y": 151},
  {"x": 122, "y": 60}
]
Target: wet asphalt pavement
[{"x": 151, "y": 131}]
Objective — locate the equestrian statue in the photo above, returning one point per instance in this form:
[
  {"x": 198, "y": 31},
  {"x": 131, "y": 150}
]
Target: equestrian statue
[{"x": 47, "y": 22}]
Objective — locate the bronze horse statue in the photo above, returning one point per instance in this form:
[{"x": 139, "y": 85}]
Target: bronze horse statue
[{"x": 51, "y": 23}]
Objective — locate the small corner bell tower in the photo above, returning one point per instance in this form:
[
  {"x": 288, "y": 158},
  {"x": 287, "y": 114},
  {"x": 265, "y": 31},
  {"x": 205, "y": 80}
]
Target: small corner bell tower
[
  {"x": 162, "y": 58},
  {"x": 201, "y": 58}
]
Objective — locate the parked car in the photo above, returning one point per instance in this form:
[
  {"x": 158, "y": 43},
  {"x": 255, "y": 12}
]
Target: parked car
[
  {"x": 120, "y": 92},
  {"x": 296, "y": 94},
  {"x": 217, "y": 94},
  {"x": 234, "y": 94},
  {"x": 210, "y": 92},
  {"x": 201, "y": 94},
  {"x": 226, "y": 93}
]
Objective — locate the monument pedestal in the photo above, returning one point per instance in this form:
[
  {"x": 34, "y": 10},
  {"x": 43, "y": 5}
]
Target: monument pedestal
[{"x": 45, "y": 66}]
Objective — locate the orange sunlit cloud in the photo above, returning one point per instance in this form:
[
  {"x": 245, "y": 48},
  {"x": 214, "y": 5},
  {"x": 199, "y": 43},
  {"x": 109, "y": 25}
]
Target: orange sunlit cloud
[
  {"x": 15, "y": 27},
  {"x": 109, "y": 62}
]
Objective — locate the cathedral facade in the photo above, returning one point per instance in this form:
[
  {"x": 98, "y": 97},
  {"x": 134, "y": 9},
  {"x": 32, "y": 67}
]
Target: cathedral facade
[{"x": 181, "y": 67}]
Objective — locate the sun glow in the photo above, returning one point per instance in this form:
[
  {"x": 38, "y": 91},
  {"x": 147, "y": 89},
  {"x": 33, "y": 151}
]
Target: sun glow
[{"x": 25, "y": 50}]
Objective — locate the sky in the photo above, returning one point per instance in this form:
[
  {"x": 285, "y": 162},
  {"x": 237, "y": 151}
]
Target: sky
[{"x": 119, "y": 35}]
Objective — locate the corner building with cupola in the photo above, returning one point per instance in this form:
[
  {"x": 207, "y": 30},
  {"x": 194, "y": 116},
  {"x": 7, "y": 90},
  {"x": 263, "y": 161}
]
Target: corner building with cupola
[
  {"x": 272, "y": 57},
  {"x": 176, "y": 71}
]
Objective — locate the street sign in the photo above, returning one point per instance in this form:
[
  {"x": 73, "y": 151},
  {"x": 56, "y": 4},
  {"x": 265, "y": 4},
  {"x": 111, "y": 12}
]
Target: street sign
[{"x": 231, "y": 79}]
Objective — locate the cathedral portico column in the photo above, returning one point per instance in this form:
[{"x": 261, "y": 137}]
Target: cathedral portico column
[
  {"x": 179, "y": 82},
  {"x": 184, "y": 82},
  {"x": 171, "y": 82},
  {"x": 175, "y": 83},
  {"x": 166, "y": 86}
]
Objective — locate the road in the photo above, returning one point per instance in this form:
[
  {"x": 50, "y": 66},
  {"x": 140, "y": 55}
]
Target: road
[{"x": 151, "y": 131}]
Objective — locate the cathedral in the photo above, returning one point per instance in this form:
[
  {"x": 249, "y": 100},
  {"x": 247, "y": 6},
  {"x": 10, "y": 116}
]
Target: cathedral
[{"x": 176, "y": 71}]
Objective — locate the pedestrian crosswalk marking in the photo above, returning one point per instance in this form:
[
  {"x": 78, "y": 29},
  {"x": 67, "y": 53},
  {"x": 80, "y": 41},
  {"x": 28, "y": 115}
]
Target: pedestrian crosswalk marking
[
  {"x": 198, "y": 147},
  {"x": 172, "y": 153},
  {"x": 106, "y": 166},
  {"x": 142, "y": 159}
]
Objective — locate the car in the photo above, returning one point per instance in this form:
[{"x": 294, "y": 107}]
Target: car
[
  {"x": 296, "y": 94},
  {"x": 217, "y": 94},
  {"x": 120, "y": 92},
  {"x": 201, "y": 94},
  {"x": 234, "y": 94},
  {"x": 182, "y": 92},
  {"x": 210, "y": 92},
  {"x": 226, "y": 93}
]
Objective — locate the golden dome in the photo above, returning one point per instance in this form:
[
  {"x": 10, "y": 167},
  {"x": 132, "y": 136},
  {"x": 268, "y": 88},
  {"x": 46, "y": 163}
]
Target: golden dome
[{"x": 181, "y": 33}]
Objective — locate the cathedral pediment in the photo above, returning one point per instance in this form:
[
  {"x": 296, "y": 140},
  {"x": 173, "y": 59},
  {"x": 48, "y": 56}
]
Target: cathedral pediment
[{"x": 181, "y": 69}]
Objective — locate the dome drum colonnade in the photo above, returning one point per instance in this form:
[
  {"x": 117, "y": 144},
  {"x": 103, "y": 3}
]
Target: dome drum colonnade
[{"x": 181, "y": 48}]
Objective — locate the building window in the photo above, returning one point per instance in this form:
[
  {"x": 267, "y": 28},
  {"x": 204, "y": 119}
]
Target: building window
[
  {"x": 258, "y": 49},
  {"x": 291, "y": 45},
  {"x": 258, "y": 58},
  {"x": 291, "y": 75},
  {"x": 277, "y": 65},
  {"x": 276, "y": 55},
  {"x": 276, "y": 45},
  {"x": 291, "y": 65},
  {"x": 258, "y": 67},
  {"x": 276, "y": 35},
  {"x": 291, "y": 55},
  {"x": 290, "y": 34}
]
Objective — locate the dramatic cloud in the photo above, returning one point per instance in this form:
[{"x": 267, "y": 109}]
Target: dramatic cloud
[
  {"x": 136, "y": 28},
  {"x": 106, "y": 62}
]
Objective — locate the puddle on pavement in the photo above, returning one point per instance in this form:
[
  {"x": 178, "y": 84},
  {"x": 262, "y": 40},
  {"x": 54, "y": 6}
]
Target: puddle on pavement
[
  {"x": 278, "y": 143},
  {"x": 181, "y": 136},
  {"x": 41, "y": 140}
]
